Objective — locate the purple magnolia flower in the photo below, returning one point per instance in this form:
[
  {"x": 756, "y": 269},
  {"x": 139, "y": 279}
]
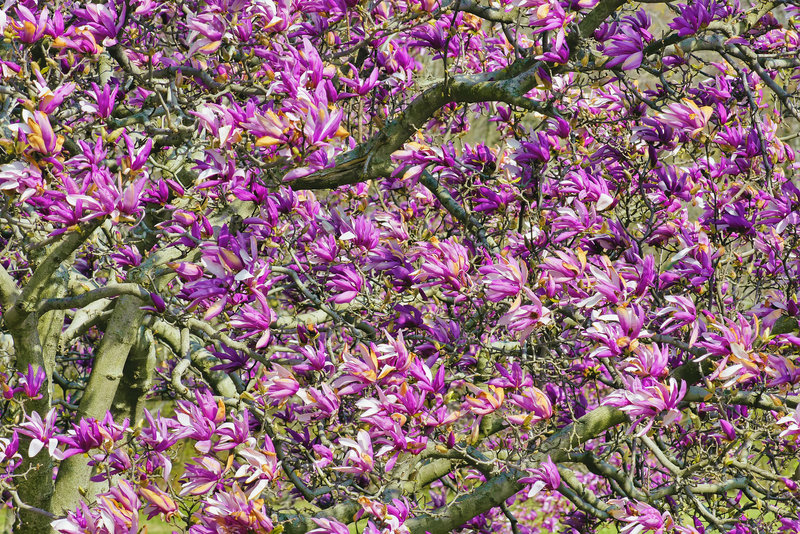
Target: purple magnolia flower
[
  {"x": 232, "y": 510},
  {"x": 687, "y": 117},
  {"x": 29, "y": 28},
  {"x": 546, "y": 476},
  {"x": 504, "y": 279},
  {"x": 643, "y": 399},
  {"x": 157, "y": 502},
  {"x": 793, "y": 423},
  {"x": 328, "y": 526},
  {"x": 31, "y": 382},
  {"x": 641, "y": 517},
  {"x": 202, "y": 477},
  {"x": 523, "y": 320},
  {"x": 41, "y": 433},
  {"x": 698, "y": 15},
  {"x": 345, "y": 284},
  {"x": 535, "y": 404},
  {"x": 260, "y": 467},
  {"x": 650, "y": 360},
  {"x": 104, "y": 21},
  {"x": 360, "y": 457},
  {"x": 104, "y": 100},
  {"x": 255, "y": 320},
  {"x": 625, "y": 49}
]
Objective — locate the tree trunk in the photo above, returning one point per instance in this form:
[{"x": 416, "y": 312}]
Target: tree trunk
[{"x": 109, "y": 363}]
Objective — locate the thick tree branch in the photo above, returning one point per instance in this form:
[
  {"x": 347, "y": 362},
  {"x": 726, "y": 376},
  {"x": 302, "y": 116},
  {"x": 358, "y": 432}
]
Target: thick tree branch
[
  {"x": 372, "y": 159},
  {"x": 80, "y": 301},
  {"x": 31, "y": 294},
  {"x": 8, "y": 289}
]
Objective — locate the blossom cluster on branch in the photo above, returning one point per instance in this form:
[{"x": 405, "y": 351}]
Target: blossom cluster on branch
[{"x": 399, "y": 266}]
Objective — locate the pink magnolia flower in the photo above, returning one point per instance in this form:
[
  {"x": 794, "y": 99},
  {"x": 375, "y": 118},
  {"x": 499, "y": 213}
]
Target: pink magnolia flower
[
  {"x": 641, "y": 517},
  {"x": 546, "y": 476},
  {"x": 504, "y": 279},
  {"x": 255, "y": 320},
  {"x": 279, "y": 384},
  {"x": 202, "y": 477},
  {"x": 29, "y": 28},
  {"x": 360, "y": 457},
  {"x": 232, "y": 510},
  {"x": 328, "y": 526},
  {"x": 104, "y": 100},
  {"x": 261, "y": 467},
  {"x": 485, "y": 401},
  {"x": 345, "y": 284},
  {"x": 687, "y": 117},
  {"x": 31, "y": 382},
  {"x": 649, "y": 360},
  {"x": 625, "y": 49},
  {"x": 157, "y": 502},
  {"x": 39, "y": 133},
  {"x": 523, "y": 320},
  {"x": 646, "y": 398},
  {"x": 793, "y": 423},
  {"x": 535, "y": 404},
  {"x": 41, "y": 433},
  {"x": 119, "y": 508}
]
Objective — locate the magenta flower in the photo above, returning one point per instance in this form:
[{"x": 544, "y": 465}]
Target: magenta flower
[
  {"x": 504, "y": 279},
  {"x": 260, "y": 468},
  {"x": 31, "y": 382},
  {"x": 345, "y": 284},
  {"x": 793, "y": 423},
  {"x": 39, "y": 133},
  {"x": 234, "y": 432},
  {"x": 9, "y": 450},
  {"x": 687, "y": 117},
  {"x": 103, "y": 21},
  {"x": 232, "y": 510},
  {"x": 29, "y": 28},
  {"x": 157, "y": 502},
  {"x": 280, "y": 384},
  {"x": 485, "y": 401},
  {"x": 523, "y": 320},
  {"x": 697, "y": 15},
  {"x": 119, "y": 508},
  {"x": 255, "y": 320},
  {"x": 41, "y": 433},
  {"x": 546, "y": 476},
  {"x": 625, "y": 49},
  {"x": 79, "y": 521},
  {"x": 443, "y": 263},
  {"x": 104, "y": 100},
  {"x": 359, "y": 459},
  {"x": 320, "y": 403},
  {"x": 645, "y": 399},
  {"x": 649, "y": 360},
  {"x": 328, "y": 526},
  {"x": 203, "y": 477},
  {"x": 641, "y": 517},
  {"x": 535, "y": 404}
]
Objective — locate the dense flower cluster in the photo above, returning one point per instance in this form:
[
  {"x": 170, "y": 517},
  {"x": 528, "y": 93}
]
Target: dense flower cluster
[{"x": 550, "y": 283}]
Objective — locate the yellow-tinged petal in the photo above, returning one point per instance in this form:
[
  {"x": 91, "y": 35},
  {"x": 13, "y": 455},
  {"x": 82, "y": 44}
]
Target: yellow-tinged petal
[{"x": 267, "y": 141}]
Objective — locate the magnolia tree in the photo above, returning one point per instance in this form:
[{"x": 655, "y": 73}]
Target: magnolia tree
[{"x": 548, "y": 281}]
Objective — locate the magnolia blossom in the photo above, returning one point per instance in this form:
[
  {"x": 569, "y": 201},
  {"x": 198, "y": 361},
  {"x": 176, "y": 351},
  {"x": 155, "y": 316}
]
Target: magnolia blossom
[
  {"x": 545, "y": 476},
  {"x": 687, "y": 117},
  {"x": 640, "y": 517},
  {"x": 360, "y": 458},
  {"x": 643, "y": 399}
]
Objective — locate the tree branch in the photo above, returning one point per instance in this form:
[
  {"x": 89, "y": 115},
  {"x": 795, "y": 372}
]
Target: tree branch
[
  {"x": 27, "y": 300},
  {"x": 80, "y": 301}
]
